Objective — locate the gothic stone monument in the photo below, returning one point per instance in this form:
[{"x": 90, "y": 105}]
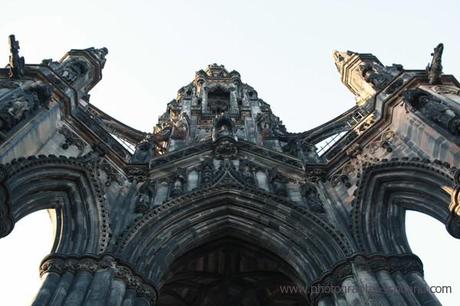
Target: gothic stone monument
[{"x": 221, "y": 205}]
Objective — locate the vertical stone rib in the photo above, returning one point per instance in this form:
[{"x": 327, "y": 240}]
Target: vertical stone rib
[
  {"x": 390, "y": 289},
  {"x": 47, "y": 289},
  {"x": 351, "y": 292},
  {"x": 117, "y": 293},
  {"x": 406, "y": 290},
  {"x": 62, "y": 289},
  {"x": 99, "y": 288},
  {"x": 369, "y": 286},
  {"x": 79, "y": 289},
  {"x": 422, "y": 290},
  {"x": 130, "y": 297}
]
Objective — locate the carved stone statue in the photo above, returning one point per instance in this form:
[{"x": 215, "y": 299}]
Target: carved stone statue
[
  {"x": 22, "y": 104},
  {"x": 278, "y": 183},
  {"x": 434, "y": 69},
  {"x": 269, "y": 125},
  {"x": 73, "y": 70},
  {"x": 311, "y": 195},
  {"x": 433, "y": 109},
  {"x": 375, "y": 74},
  {"x": 178, "y": 183},
  {"x": 180, "y": 127},
  {"x": 145, "y": 196},
  {"x": 246, "y": 172},
  {"x": 223, "y": 126},
  {"x": 144, "y": 152},
  {"x": 16, "y": 62}
]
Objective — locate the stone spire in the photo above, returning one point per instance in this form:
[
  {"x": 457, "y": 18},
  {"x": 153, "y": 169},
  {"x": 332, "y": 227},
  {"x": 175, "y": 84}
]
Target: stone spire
[{"x": 363, "y": 74}]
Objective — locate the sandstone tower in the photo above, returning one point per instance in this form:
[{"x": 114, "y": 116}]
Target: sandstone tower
[{"x": 219, "y": 204}]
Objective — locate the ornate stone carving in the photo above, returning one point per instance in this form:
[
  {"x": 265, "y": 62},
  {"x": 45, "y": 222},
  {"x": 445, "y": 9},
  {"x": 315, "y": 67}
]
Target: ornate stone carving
[
  {"x": 434, "y": 70},
  {"x": 278, "y": 183},
  {"x": 60, "y": 264},
  {"x": 178, "y": 183},
  {"x": 225, "y": 148},
  {"x": 375, "y": 74},
  {"x": 100, "y": 54},
  {"x": 16, "y": 62},
  {"x": 180, "y": 126},
  {"x": 112, "y": 175},
  {"x": 404, "y": 263},
  {"x": 223, "y": 126},
  {"x": 311, "y": 195},
  {"x": 22, "y": 104},
  {"x": 207, "y": 171},
  {"x": 144, "y": 151},
  {"x": 73, "y": 69},
  {"x": 146, "y": 196},
  {"x": 246, "y": 171},
  {"x": 433, "y": 109},
  {"x": 71, "y": 139},
  {"x": 269, "y": 125}
]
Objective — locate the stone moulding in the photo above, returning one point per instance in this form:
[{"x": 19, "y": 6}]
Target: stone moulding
[{"x": 62, "y": 263}]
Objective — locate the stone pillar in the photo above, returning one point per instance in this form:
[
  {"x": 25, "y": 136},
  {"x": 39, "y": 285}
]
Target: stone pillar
[
  {"x": 374, "y": 280},
  {"x": 90, "y": 280},
  {"x": 422, "y": 290}
]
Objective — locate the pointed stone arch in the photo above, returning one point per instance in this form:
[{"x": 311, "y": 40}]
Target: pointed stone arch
[
  {"x": 388, "y": 188},
  {"x": 307, "y": 243},
  {"x": 67, "y": 185}
]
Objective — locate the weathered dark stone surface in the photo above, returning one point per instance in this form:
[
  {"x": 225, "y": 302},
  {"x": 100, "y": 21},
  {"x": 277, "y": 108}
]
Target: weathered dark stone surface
[{"x": 220, "y": 204}]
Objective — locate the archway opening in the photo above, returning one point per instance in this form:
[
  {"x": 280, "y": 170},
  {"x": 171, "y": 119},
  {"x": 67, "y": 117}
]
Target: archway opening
[
  {"x": 232, "y": 272},
  {"x": 438, "y": 251},
  {"x": 22, "y": 251}
]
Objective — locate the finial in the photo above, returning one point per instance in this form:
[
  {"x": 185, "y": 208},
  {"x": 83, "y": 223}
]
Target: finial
[
  {"x": 434, "y": 69},
  {"x": 16, "y": 62}
]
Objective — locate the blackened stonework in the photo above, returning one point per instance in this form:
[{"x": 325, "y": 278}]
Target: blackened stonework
[{"x": 219, "y": 204}]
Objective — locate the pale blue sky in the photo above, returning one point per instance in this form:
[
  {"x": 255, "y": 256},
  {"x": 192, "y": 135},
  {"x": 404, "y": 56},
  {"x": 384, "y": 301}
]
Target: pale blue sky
[{"x": 282, "y": 48}]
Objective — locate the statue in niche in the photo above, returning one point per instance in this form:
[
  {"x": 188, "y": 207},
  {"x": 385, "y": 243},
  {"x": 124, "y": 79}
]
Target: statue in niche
[
  {"x": 375, "y": 74},
  {"x": 145, "y": 197},
  {"x": 73, "y": 70},
  {"x": 144, "y": 151},
  {"x": 180, "y": 126},
  {"x": 269, "y": 125},
  {"x": 223, "y": 126},
  {"x": 22, "y": 104},
  {"x": 433, "y": 109},
  {"x": 178, "y": 183},
  {"x": 246, "y": 172},
  {"x": 311, "y": 195},
  {"x": 278, "y": 183}
]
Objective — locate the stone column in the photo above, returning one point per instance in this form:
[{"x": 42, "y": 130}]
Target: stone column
[
  {"x": 90, "y": 280},
  {"x": 375, "y": 280}
]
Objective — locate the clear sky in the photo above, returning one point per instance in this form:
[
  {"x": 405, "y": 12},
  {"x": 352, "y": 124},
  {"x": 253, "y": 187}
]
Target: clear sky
[{"x": 282, "y": 48}]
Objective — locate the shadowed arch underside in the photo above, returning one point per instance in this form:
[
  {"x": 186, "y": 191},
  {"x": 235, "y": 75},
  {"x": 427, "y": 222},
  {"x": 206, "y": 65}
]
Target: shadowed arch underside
[
  {"x": 306, "y": 244},
  {"x": 66, "y": 185},
  {"x": 387, "y": 189},
  {"x": 229, "y": 272}
]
